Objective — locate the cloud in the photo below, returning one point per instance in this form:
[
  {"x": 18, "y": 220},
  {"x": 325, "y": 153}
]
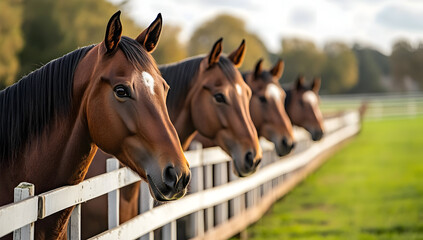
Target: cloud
[
  {"x": 234, "y": 4},
  {"x": 400, "y": 18},
  {"x": 302, "y": 17}
]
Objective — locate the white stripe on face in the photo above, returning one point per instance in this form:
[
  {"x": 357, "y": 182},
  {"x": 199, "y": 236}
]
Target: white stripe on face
[
  {"x": 274, "y": 92},
  {"x": 148, "y": 81},
  {"x": 238, "y": 89},
  {"x": 310, "y": 97}
]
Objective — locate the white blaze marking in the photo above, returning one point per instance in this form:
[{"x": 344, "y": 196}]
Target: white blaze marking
[
  {"x": 310, "y": 97},
  {"x": 238, "y": 89},
  {"x": 274, "y": 92},
  {"x": 148, "y": 81}
]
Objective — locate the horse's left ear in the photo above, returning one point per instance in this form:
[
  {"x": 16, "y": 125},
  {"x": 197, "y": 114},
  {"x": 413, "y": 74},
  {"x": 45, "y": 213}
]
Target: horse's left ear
[
  {"x": 214, "y": 55},
  {"x": 113, "y": 33},
  {"x": 150, "y": 36},
  {"x": 277, "y": 70},
  {"x": 237, "y": 56},
  {"x": 315, "y": 86},
  {"x": 258, "y": 69},
  {"x": 299, "y": 84}
]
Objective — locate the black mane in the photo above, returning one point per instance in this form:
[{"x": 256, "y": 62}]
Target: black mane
[
  {"x": 179, "y": 76},
  {"x": 28, "y": 106}
]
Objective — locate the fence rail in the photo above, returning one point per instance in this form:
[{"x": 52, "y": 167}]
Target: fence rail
[
  {"x": 217, "y": 197},
  {"x": 393, "y": 105}
]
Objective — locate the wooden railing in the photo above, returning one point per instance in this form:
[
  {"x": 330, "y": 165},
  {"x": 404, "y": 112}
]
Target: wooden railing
[{"x": 218, "y": 205}]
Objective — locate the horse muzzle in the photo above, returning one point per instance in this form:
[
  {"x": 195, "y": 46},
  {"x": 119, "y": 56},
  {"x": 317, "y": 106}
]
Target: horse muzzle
[
  {"x": 170, "y": 185},
  {"x": 246, "y": 165}
]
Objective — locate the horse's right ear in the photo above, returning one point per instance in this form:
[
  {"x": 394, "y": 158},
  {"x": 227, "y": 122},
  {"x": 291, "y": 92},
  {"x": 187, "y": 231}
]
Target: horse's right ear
[
  {"x": 258, "y": 69},
  {"x": 150, "y": 36},
  {"x": 315, "y": 86},
  {"x": 300, "y": 82},
  {"x": 214, "y": 55},
  {"x": 113, "y": 33},
  {"x": 237, "y": 56},
  {"x": 277, "y": 70}
]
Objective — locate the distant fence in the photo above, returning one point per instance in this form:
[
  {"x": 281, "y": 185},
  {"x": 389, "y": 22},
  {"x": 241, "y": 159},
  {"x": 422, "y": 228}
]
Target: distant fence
[
  {"x": 394, "y": 105},
  {"x": 218, "y": 206}
]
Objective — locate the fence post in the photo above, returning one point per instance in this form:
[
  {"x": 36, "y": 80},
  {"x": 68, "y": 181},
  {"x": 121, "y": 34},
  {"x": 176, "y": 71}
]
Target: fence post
[
  {"x": 209, "y": 184},
  {"x": 220, "y": 178},
  {"x": 113, "y": 196},
  {"x": 74, "y": 224},
  {"x": 169, "y": 231},
  {"x": 23, "y": 191},
  {"x": 196, "y": 222},
  {"x": 146, "y": 204},
  {"x": 235, "y": 204}
]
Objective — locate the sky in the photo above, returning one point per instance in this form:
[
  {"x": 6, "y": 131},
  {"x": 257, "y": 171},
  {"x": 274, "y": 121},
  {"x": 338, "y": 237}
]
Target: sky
[{"x": 374, "y": 23}]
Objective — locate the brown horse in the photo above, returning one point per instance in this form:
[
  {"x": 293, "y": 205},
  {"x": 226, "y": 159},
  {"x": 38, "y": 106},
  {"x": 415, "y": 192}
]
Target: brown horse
[
  {"x": 210, "y": 97},
  {"x": 207, "y": 95},
  {"x": 267, "y": 106},
  {"x": 110, "y": 95},
  {"x": 302, "y": 106}
]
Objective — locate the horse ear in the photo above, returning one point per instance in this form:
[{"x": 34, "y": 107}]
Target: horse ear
[
  {"x": 237, "y": 56},
  {"x": 150, "y": 36},
  {"x": 315, "y": 86},
  {"x": 277, "y": 70},
  {"x": 215, "y": 52},
  {"x": 258, "y": 68},
  {"x": 113, "y": 33},
  {"x": 300, "y": 82}
]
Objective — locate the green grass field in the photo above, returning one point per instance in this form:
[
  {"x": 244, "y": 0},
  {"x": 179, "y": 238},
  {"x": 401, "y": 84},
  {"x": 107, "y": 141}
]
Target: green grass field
[{"x": 371, "y": 189}]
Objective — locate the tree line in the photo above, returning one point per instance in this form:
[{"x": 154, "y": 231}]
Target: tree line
[{"x": 35, "y": 32}]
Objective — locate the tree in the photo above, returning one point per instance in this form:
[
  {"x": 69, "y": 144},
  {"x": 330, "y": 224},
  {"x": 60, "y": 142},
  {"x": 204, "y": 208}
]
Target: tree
[
  {"x": 10, "y": 41},
  {"x": 170, "y": 49},
  {"x": 401, "y": 63},
  {"x": 340, "y": 72},
  {"x": 53, "y": 28},
  {"x": 372, "y": 65},
  {"x": 232, "y": 30},
  {"x": 301, "y": 57}
]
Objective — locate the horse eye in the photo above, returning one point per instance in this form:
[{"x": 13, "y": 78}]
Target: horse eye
[
  {"x": 263, "y": 99},
  {"x": 122, "y": 91},
  {"x": 220, "y": 98}
]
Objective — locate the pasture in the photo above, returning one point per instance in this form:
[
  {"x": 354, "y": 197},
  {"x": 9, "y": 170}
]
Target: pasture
[{"x": 371, "y": 189}]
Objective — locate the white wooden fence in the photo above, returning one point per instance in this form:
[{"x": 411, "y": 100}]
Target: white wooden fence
[
  {"x": 387, "y": 105},
  {"x": 218, "y": 206}
]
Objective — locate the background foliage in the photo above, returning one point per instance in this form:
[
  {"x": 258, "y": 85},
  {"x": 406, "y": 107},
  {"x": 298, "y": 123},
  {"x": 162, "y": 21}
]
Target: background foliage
[{"x": 35, "y": 32}]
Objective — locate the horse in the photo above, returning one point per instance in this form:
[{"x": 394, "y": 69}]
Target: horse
[
  {"x": 302, "y": 106},
  {"x": 110, "y": 95},
  {"x": 267, "y": 106},
  {"x": 210, "y": 97},
  {"x": 207, "y": 95}
]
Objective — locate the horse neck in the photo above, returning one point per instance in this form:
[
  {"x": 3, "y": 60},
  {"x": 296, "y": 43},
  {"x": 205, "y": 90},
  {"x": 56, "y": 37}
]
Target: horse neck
[
  {"x": 61, "y": 154},
  {"x": 288, "y": 100},
  {"x": 179, "y": 104}
]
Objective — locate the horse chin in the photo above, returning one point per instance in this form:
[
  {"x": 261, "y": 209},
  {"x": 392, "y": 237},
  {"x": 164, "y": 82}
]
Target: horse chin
[
  {"x": 279, "y": 148},
  {"x": 282, "y": 151},
  {"x": 238, "y": 172},
  {"x": 159, "y": 195}
]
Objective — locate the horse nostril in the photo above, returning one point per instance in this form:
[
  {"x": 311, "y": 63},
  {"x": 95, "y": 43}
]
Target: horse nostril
[
  {"x": 186, "y": 180},
  {"x": 249, "y": 160},
  {"x": 286, "y": 143},
  {"x": 258, "y": 162},
  {"x": 317, "y": 135},
  {"x": 170, "y": 177},
  {"x": 293, "y": 145}
]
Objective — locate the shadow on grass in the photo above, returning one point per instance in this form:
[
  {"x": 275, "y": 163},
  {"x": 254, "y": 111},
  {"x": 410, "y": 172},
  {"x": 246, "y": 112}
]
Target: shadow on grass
[
  {"x": 324, "y": 233},
  {"x": 310, "y": 221},
  {"x": 394, "y": 229}
]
